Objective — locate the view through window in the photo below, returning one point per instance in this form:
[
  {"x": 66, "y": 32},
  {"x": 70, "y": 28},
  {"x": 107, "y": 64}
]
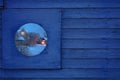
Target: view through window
[{"x": 31, "y": 39}]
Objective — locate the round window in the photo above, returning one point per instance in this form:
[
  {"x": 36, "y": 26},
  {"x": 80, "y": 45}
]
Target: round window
[{"x": 31, "y": 39}]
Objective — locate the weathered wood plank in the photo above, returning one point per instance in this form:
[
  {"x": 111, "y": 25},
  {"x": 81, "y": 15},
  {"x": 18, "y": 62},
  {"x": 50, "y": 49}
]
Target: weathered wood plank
[
  {"x": 0, "y": 35},
  {"x": 63, "y": 79},
  {"x": 90, "y": 43},
  {"x": 80, "y": 74},
  {"x": 56, "y": 79},
  {"x": 1, "y": 74},
  {"x": 90, "y": 54},
  {"x": 1, "y": 3},
  {"x": 110, "y": 74},
  {"x": 91, "y": 33},
  {"x": 0, "y": 44},
  {"x": 113, "y": 73},
  {"x": 91, "y": 13},
  {"x": 0, "y": 58},
  {"x": 62, "y": 3},
  {"x": 63, "y": 73},
  {"x": 90, "y": 63},
  {"x": 91, "y": 23},
  {"x": 0, "y": 16}
]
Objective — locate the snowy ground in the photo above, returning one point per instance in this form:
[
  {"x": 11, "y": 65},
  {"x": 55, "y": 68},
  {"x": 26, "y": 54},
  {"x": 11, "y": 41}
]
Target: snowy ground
[{"x": 33, "y": 50}]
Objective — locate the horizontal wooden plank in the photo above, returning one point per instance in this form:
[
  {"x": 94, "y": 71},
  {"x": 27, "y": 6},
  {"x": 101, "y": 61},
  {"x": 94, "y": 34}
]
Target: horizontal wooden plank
[
  {"x": 0, "y": 58},
  {"x": 0, "y": 16},
  {"x": 80, "y": 43},
  {"x": 0, "y": 35},
  {"x": 91, "y": 33},
  {"x": 1, "y": 74},
  {"x": 0, "y": 62},
  {"x": 90, "y": 63},
  {"x": 56, "y": 79},
  {"x": 91, "y": 13},
  {"x": 1, "y": 3},
  {"x": 90, "y": 54},
  {"x": 62, "y": 79},
  {"x": 110, "y": 74},
  {"x": 113, "y": 73},
  {"x": 97, "y": 74},
  {"x": 61, "y": 3},
  {"x": 91, "y": 23},
  {"x": 63, "y": 73}
]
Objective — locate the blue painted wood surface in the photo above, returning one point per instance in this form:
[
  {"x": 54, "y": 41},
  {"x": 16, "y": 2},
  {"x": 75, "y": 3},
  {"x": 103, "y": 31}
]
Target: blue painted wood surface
[
  {"x": 1, "y": 71},
  {"x": 62, "y": 3},
  {"x": 63, "y": 73},
  {"x": 1, "y": 74},
  {"x": 91, "y": 33},
  {"x": 1, "y": 3},
  {"x": 62, "y": 79},
  {"x": 50, "y": 57},
  {"x": 86, "y": 23},
  {"x": 90, "y": 40},
  {"x": 90, "y": 63},
  {"x": 91, "y": 13},
  {"x": 91, "y": 54},
  {"x": 91, "y": 43}
]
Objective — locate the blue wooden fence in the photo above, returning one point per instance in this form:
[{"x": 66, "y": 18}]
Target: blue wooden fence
[{"x": 90, "y": 40}]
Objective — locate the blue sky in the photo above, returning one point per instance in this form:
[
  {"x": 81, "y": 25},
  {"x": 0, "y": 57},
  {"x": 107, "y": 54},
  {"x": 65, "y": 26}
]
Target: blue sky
[{"x": 32, "y": 27}]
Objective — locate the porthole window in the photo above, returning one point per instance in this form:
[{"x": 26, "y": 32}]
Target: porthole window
[
  {"x": 31, "y": 39},
  {"x": 31, "y": 45}
]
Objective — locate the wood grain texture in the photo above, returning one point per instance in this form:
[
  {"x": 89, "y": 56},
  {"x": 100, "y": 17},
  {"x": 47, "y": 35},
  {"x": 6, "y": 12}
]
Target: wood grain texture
[
  {"x": 91, "y": 54},
  {"x": 50, "y": 57},
  {"x": 1, "y": 74},
  {"x": 56, "y": 79},
  {"x": 1, "y": 3},
  {"x": 90, "y": 43},
  {"x": 0, "y": 39},
  {"x": 91, "y": 33},
  {"x": 90, "y": 39},
  {"x": 64, "y": 73},
  {"x": 91, "y": 23},
  {"x": 90, "y": 63},
  {"x": 91, "y": 13},
  {"x": 62, "y": 3},
  {"x": 0, "y": 49}
]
